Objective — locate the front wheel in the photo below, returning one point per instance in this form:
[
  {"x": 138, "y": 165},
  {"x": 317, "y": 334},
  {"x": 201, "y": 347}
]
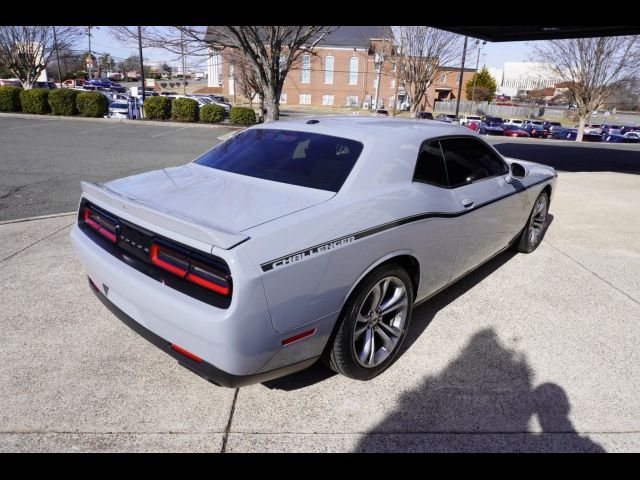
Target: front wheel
[
  {"x": 533, "y": 232},
  {"x": 373, "y": 324}
]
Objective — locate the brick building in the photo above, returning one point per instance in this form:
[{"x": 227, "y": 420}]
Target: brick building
[{"x": 342, "y": 71}]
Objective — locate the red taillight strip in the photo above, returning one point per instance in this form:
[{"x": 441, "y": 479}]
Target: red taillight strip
[
  {"x": 300, "y": 336},
  {"x": 186, "y": 353},
  {"x": 207, "y": 284},
  {"x": 97, "y": 227},
  {"x": 162, "y": 264}
]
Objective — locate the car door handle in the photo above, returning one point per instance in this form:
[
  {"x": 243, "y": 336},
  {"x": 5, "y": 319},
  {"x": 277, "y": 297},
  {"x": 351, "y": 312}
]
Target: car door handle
[{"x": 466, "y": 203}]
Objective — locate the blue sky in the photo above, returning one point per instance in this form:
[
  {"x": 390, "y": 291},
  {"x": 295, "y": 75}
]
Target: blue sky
[{"x": 492, "y": 54}]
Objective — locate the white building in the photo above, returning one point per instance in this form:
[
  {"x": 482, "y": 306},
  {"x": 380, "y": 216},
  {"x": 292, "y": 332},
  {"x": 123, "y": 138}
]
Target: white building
[{"x": 517, "y": 76}]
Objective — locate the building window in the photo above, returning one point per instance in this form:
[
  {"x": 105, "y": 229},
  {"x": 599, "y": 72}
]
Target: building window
[
  {"x": 283, "y": 98},
  {"x": 353, "y": 71},
  {"x": 457, "y": 79},
  {"x": 327, "y": 99},
  {"x": 305, "y": 69},
  {"x": 443, "y": 78},
  {"x": 281, "y": 62},
  {"x": 352, "y": 101},
  {"x": 305, "y": 99},
  {"x": 392, "y": 83},
  {"x": 328, "y": 70}
]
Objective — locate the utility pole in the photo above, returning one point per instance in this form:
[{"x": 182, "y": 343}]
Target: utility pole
[
  {"x": 90, "y": 54},
  {"x": 397, "y": 80},
  {"x": 141, "y": 61},
  {"x": 184, "y": 71},
  {"x": 473, "y": 91},
  {"x": 55, "y": 41},
  {"x": 464, "y": 54}
]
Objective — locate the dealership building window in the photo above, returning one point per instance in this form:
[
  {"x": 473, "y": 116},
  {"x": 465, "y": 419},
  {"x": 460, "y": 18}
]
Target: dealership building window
[
  {"x": 443, "y": 78},
  {"x": 283, "y": 98},
  {"x": 328, "y": 69},
  {"x": 281, "y": 62},
  {"x": 305, "y": 99},
  {"x": 353, "y": 71},
  {"x": 305, "y": 69},
  {"x": 352, "y": 101},
  {"x": 458, "y": 78},
  {"x": 327, "y": 99}
]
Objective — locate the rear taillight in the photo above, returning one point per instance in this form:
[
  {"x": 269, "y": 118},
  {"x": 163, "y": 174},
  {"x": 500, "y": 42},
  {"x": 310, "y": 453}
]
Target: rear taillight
[
  {"x": 208, "y": 277},
  {"x": 169, "y": 260},
  {"x": 184, "y": 265},
  {"x": 100, "y": 223}
]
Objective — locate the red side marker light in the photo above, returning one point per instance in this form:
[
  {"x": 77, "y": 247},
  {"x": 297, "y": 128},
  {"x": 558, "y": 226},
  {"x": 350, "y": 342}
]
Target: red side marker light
[
  {"x": 300, "y": 336},
  {"x": 185, "y": 353}
]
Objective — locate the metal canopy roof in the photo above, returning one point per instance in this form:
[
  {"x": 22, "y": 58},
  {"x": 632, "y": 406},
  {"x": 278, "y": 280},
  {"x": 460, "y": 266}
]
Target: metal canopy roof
[{"x": 503, "y": 33}]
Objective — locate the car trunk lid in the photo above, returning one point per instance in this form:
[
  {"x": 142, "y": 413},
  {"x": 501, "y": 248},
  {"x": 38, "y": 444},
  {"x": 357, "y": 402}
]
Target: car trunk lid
[{"x": 204, "y": 203}]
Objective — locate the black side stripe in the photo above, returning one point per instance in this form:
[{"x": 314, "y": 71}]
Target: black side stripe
[{"x": 331, "y": 244}]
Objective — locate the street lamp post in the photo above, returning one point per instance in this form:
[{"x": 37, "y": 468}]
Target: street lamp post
[
  {"x": 464, "y": 54},
  {"x": 378, "y": 60},
  {"x": 473, "y": 91}
]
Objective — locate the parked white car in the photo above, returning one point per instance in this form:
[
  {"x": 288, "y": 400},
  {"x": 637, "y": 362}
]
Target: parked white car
[
  {"x": 514, "y": 121},
  {"x": 302, "y": 239},
  {"x": 464, "y": 119}
]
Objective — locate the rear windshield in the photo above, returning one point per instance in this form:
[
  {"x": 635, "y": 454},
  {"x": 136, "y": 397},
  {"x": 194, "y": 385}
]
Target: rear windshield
[{"x": 298, "y": 158}]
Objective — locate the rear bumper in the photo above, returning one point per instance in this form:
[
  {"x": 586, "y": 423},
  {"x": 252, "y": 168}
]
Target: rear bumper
[{"x": 202, "y": 368}]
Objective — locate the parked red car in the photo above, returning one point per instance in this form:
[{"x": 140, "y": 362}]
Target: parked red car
[{"x": 514, "y": 131}]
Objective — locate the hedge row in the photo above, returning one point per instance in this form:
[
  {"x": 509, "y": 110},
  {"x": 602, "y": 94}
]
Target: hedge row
[
  {"x": 10, "y": 99},
  {"x": 242, "y": 115},
  {"x": 60, "y": 101},
  {"x": 184, "y": 110},
  {"x": 70, "y": 102}
]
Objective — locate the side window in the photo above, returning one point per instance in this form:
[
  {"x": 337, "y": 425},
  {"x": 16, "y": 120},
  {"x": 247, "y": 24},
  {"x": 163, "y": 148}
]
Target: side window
[
  {"x": 430, "y": 165},
  {"x": 468, "y": 160}
]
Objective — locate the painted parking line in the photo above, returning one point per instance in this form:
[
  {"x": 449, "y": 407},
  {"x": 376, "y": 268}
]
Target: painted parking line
[
  {"x": 104, "y": 128},
  {"x": 37, "y": 125},
  {"x": 170, "y": 131}
]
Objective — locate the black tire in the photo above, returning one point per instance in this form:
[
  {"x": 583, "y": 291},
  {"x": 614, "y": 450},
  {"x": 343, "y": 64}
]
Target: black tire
[
  {"x": 527, "y": 242},
  {"x": 340, "y": 354}
]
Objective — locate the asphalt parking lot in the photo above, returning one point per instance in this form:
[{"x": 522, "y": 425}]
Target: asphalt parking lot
[
  {"x": 43, "y": 160},
  {"x": 529, "y": 353}
]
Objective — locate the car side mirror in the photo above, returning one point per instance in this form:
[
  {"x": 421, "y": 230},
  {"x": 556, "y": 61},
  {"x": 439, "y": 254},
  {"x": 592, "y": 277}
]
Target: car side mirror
[{"x": 517, "y": 170}]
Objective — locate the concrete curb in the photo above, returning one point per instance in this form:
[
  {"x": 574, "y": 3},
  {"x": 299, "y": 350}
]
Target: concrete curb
[
  {"x": 40, "y": 217},
  {"x": 121, "y": 120}
]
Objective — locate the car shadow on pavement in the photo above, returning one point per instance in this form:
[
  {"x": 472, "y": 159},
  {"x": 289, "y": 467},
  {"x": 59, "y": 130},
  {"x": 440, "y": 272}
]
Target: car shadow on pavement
[
  {"x": 422, "y": 316},
  {"x": 621, "y": 158},
  {"x": 483, "y": 401}
]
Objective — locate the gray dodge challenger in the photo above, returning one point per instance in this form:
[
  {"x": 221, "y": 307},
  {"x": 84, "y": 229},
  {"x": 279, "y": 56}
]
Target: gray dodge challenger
[{"x": 305, "y": 239}]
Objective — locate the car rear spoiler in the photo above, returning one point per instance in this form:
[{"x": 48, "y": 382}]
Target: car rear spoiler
[{"x": 208, "y": 233}]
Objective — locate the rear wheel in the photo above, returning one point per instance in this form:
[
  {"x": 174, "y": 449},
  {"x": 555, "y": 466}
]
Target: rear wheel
[
  {"x": 373, "y": 324},
  {"x": 533, "y": 232}
]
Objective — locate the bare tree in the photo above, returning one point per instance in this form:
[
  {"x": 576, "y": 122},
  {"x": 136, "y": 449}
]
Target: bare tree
[
  {"x": 424, "y": 51},
  {"x": 26, "y": 50},
  {"x": 593, "y": 68},
  {"x": 271, "y": 51}
]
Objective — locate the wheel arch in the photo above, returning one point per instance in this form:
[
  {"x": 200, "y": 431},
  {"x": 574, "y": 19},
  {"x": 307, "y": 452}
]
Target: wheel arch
[{"x": 407, "y": 259}]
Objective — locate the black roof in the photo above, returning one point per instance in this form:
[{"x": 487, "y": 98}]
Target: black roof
[
  {"x": 504, "y": 33},
  {"x": 357, "y": 36}
]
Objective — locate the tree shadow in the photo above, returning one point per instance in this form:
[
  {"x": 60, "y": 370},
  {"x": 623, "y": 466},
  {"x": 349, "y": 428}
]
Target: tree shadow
[
  {"x": 483, "y": 401},
  {"x": 567, "y": 157}
]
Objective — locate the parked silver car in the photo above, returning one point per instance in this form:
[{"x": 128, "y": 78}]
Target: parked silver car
[{"x": 303, "y": 239}]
